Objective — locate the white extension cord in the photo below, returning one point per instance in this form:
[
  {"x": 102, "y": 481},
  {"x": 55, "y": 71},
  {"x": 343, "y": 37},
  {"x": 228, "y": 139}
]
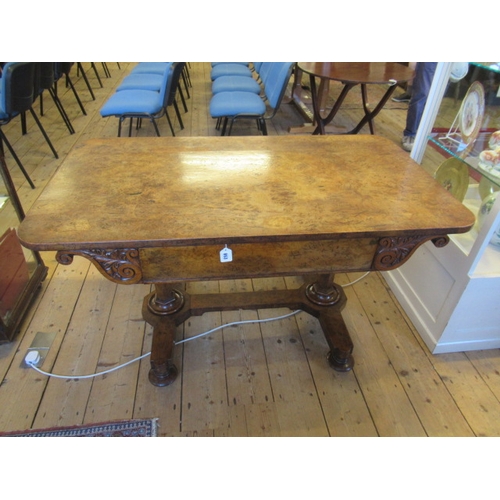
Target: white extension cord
[{"x": 33, "y": 357}]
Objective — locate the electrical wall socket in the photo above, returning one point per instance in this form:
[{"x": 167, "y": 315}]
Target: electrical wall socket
[{"x": 41, "y": 343}]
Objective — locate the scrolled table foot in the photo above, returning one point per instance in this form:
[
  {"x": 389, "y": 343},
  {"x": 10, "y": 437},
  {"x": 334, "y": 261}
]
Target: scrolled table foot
[
  {"x": 340, "y": 364},
  {"x": 161, "y": 376}
]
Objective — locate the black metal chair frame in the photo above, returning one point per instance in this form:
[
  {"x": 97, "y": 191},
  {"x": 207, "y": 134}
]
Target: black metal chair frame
[
  {"x": 48, "y": 82},
  {"x": 21, "y": 80}
]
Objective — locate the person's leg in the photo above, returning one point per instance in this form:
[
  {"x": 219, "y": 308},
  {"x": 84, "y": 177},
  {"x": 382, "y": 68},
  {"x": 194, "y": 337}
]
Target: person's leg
[
  {"x": 424, "y": 74},
  {"x": 406, "y": 95}
]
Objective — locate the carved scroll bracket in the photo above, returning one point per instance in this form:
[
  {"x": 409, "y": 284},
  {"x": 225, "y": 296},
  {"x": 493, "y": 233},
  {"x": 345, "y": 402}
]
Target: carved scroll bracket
[
  {"x": 394, "y": 251},
  {"x": 119, "y": 265}
]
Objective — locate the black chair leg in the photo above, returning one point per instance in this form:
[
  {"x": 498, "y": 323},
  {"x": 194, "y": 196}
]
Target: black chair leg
[
  {"x": 231, "y": 125},
  {"x": 61, "y": 110},
  {"x": 178, "y": 115},
  {"x": 107, "y": 73},
  {"x": 186, "y": 75},
  {"x": 42, "y": 130},
  {"x": 120, "y": 119},
  {"x": 182, "y": 98},
  {"x": 3, "y": 139},
  {"x": 24, "y": 129},
  {"x": 96, "y": 73},
  {"x": 263, "y": 126},
  {"x": 224, "y": 126},
  {"x": 186, "y": 86},
  {"x": 156, "y": 127},
  {"x": 85, "y": 79},
  {"x": 75, "y": 93},
  {"x": 170, "y": 123}
]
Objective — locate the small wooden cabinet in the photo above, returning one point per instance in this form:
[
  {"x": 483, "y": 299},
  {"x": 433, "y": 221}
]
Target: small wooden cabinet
[
  {"x": 452, "y": 295},
  {"x": 21, "y": 270}
]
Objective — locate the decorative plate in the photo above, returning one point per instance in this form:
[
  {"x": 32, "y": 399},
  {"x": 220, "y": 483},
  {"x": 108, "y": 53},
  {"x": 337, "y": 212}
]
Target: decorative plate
[
  {"x": 488, "y": 169},
  {"x": 485, "y": 209},
  {"x": 471, "y": 113},
  {"x": 486, "y": 187},
  {"x": 459, "y": 70},
  {"x": 495, "y": 239},
  {"x": 453, "y": 175}
]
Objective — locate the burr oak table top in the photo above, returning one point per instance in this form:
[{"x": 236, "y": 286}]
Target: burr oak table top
[{"x": 157, "y": 192}]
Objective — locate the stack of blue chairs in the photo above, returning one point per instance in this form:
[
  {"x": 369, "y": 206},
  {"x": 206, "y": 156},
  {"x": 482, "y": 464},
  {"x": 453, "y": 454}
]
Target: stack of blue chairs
[
  {"x": 149, "y": 69},
  {"x": 236, "y": 94},
  {"x": 229, "y": 81},
  {"x": 230, "y": 68},
  {"x": 146, "y": 93}
]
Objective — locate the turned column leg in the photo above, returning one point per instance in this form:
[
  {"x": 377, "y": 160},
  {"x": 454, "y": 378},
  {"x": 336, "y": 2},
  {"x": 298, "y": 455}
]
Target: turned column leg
[
  {"x": 331, "y": 299},
  {"x": 338, "y": 338},
  {"x": 158, "y": 310}
]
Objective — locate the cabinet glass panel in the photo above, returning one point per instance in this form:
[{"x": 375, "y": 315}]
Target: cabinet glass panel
[{"x": 463, "y": 150}]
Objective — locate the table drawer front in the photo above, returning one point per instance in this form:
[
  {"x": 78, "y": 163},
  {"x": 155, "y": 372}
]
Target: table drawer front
[{"x": 256, "y": 260}]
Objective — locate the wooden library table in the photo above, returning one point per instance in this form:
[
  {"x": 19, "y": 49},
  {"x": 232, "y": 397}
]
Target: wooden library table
[{"x": 168, "y": 210}]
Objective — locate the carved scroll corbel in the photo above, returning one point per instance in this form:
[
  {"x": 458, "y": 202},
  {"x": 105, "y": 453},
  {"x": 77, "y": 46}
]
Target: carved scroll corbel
[
  {"x": 394, "y": 251},
  {"x": 119, "y": 265}
]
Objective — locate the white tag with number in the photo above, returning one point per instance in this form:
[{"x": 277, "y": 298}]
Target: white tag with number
[{"x": 226, "y": 254}]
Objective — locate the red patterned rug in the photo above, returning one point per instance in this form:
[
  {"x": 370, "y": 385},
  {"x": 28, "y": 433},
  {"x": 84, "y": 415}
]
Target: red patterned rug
[{"x": 123, "y": 428}]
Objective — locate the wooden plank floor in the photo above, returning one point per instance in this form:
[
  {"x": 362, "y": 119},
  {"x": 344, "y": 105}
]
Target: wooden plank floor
[{"x": 267, "y": 379}]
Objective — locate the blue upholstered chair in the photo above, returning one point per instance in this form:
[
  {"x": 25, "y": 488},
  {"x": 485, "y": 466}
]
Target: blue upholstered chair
[
  {"x": 226, "y": 69},
  {"x": 257, "y": 66},
  {"x": 142, "y": 81},
  {"x": 248, "y": 105},
  {"x": 243, "y": 63},
  {"x": 231, "y": 83},
  {"x": 147, "y": 70},
  {"x": 150, "y": 81},
  {"x": 150, "y": 67},
  {"x": 234, "y": 83},
  {"x": 149, "y": 104}
]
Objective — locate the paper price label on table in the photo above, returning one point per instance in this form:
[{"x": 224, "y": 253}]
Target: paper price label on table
[{"x": 226, "y": 255}]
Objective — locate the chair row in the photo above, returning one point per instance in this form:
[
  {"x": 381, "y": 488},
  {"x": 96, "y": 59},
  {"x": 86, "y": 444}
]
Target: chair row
[
  {"x": 147, "y": 92},
  {"x": 248, "y": 91},
  {"x": 20, "y": 85}
]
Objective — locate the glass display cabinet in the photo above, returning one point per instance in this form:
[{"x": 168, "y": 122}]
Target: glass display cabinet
[
  {"x": 21, "y": 270},
  {"x": 452, "y": 294}
]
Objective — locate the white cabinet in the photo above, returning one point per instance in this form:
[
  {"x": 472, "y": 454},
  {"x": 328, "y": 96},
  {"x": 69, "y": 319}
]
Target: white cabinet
[{"x": 452, "y": 294}]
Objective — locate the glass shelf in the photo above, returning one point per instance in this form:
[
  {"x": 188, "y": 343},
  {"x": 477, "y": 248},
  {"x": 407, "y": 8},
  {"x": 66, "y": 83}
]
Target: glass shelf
[
  {"x": 490, "y": 66},
  {"x": 445, "y": 135},
  {"x": 455, "y": 149}
]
